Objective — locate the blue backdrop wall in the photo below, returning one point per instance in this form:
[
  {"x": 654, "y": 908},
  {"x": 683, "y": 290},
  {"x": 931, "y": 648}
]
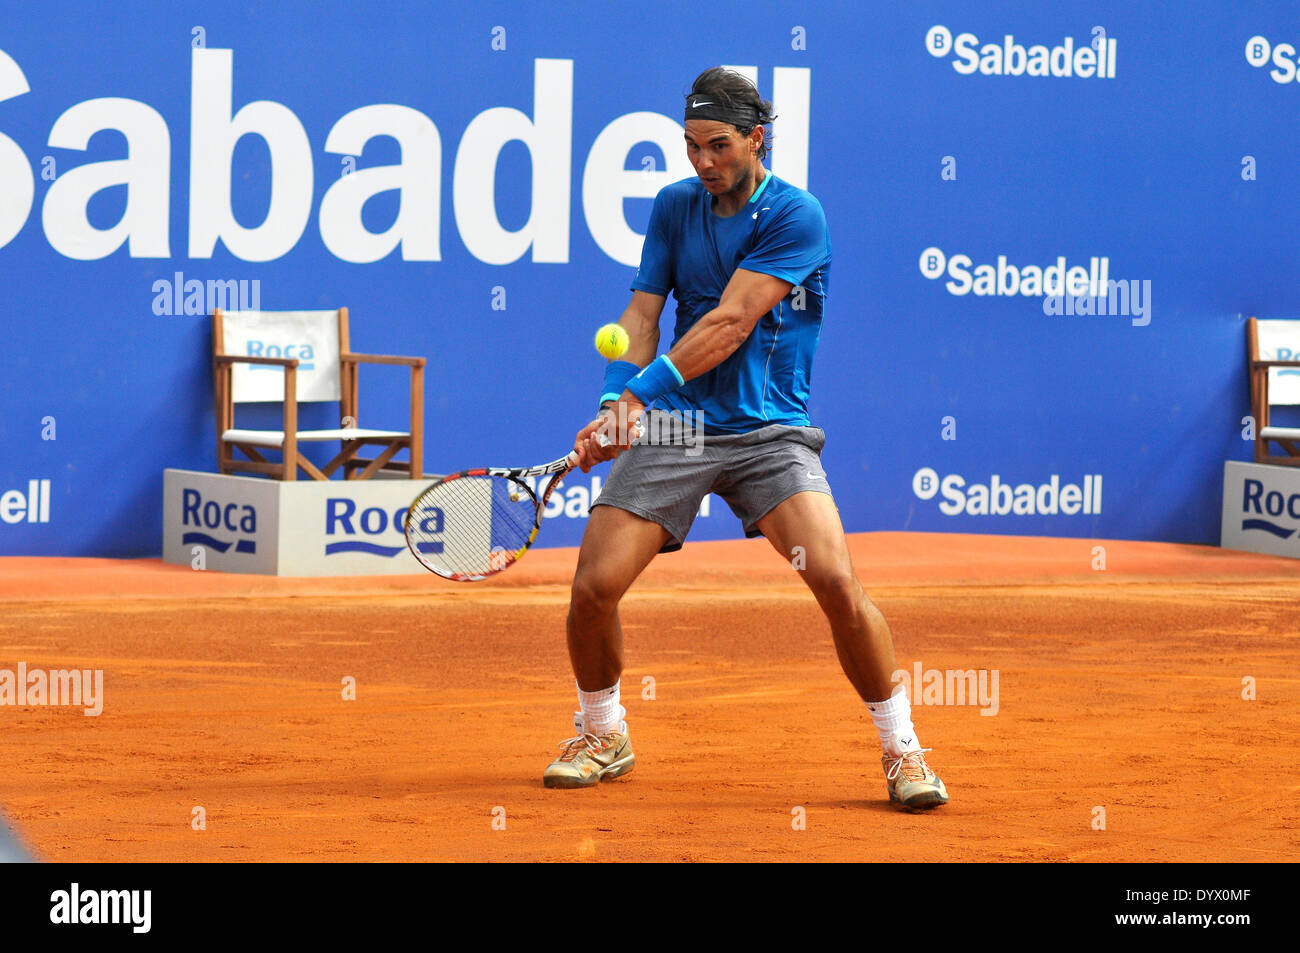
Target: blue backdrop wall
[{"x": 511, "y": 152}]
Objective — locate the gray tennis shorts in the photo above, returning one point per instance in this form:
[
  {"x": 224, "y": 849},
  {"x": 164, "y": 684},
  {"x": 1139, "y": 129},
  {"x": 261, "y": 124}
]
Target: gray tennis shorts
[{"x": 663, "y": 477}]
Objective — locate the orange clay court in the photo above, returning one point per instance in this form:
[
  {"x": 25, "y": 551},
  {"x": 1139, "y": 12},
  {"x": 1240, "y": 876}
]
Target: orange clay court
[{"x": 1120, "y": 689}]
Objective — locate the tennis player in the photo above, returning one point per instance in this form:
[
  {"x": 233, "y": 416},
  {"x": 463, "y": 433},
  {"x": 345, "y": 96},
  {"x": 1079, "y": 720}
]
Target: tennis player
[{"x": 746, "y": 257}]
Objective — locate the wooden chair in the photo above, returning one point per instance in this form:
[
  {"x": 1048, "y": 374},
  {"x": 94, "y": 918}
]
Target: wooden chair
[
  {"x": 1274, "y": 382},
  {"x": 296, "y": 357}
]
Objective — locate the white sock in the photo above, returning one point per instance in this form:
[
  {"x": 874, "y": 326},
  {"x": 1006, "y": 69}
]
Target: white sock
[
  {"x": 893, "y": 719},
  {"x": 601, "y": 711}
]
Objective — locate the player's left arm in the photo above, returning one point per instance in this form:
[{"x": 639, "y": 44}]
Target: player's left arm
[
  {"x": 792, "y": 243},
  {"x": 715, "y": 337},
  {"x": 748, "y": 296}
]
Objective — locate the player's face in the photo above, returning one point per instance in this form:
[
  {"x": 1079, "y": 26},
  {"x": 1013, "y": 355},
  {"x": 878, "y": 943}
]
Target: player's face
[{"x": 722, "y": 157}]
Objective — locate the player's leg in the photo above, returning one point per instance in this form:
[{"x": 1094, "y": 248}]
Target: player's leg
[
  {"x": 616, "y": 547},
  {"x": 806, "y": 530},
  {"x": 648, "y": 504}
]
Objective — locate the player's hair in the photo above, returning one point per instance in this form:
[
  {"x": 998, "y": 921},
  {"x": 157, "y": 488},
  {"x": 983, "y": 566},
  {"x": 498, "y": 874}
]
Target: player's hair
[{"x": 734, "y": 90}]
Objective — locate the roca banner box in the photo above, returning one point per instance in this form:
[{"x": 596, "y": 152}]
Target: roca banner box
[
  {"x": 281, "y": 528},
  {"x": 1261, "y": 508}
]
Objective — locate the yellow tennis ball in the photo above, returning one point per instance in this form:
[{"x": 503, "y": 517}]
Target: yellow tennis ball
[{"x": 612, "y": 341}]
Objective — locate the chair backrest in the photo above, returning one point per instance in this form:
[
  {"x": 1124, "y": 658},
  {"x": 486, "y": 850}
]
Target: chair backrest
[
  {"x": 315, "y": 338},
  {"x": 1280, "y": 341}
]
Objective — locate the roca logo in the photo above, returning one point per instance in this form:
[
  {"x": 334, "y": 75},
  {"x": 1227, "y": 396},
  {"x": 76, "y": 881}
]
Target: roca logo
[
  {"x": 218, "y": 517},
  {"x": 1010, "y": 58},
  {"x": 343, "y": 519},
  {"x": 1271, "y": 503},
  {"x": 1286, "y": 354},
  {"x": 1259, "y": 53},
  {"x": 303, "y": 352}
]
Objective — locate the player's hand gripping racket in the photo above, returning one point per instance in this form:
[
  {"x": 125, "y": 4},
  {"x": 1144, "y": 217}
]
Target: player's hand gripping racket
[{"x": 477, "y": 523}]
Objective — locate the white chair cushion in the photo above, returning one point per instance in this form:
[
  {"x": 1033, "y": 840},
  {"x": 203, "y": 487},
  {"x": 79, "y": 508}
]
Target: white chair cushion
[{"x": 275, "y": 438}]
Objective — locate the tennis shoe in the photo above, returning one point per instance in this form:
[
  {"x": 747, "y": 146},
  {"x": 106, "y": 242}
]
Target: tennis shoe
[
  {"x": 586, "y": 759},
  {"x": 912, "y": 783}
]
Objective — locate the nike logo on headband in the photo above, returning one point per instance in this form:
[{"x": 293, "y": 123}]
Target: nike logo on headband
[{"x": 698, "y": 105}]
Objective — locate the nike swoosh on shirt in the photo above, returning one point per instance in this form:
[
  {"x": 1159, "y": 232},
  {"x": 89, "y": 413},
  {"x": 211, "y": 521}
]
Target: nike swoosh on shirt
[{"x": 764, "y": 209}]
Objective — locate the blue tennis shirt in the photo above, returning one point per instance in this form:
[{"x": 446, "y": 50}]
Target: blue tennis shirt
[{"x": 693, "y": 253}]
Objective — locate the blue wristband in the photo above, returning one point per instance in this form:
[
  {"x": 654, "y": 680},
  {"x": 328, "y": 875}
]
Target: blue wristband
[
  {"x": 659, "y": 378},
  {"x": 617, "y": 374}
]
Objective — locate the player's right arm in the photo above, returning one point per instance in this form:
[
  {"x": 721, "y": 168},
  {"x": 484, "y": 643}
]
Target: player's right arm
[{"x": 641, "y": 321}]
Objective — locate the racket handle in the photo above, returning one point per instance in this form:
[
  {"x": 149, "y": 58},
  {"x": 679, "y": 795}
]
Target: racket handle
[
  {"x": 604, "y": 441},
  {"x": 637, "y": 432}
]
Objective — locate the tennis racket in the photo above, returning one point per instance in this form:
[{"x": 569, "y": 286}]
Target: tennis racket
[{"x": 477, "y": 523}]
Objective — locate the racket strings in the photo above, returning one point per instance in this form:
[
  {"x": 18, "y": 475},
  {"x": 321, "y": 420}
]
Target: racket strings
[
  {"x": 473, "y": 525},
  {"x": 456, "y": 528}
]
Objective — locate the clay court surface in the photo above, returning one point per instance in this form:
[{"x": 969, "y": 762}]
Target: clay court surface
[{"x": 1119, "y": 689}]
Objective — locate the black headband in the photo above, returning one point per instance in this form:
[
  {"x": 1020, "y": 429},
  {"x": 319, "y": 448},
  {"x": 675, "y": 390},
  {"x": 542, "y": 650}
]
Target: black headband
[{"x": 702, "y": 106}]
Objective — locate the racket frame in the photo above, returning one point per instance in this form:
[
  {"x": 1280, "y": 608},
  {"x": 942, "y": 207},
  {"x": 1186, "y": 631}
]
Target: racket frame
[{"x": 558, "y": 469}]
